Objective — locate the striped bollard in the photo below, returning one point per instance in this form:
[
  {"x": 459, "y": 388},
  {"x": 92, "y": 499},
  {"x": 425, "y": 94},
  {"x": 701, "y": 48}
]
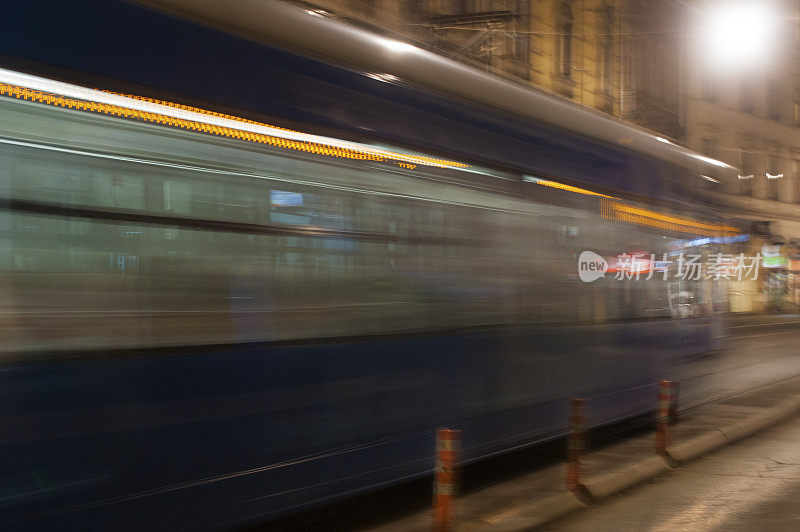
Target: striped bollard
[
  {"x": 575, "y": 443},
  {"x": 445, "y": 481},
  {"x": 672, "y": 417},
  {"x": 662, "y": 423}
]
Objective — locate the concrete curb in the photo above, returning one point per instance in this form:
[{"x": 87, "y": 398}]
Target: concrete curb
[
  {"x": 750, "y": 426},
  {"x": 697, "y": 446},
  {"x": 611, "y": 483},
  {"x": 536, "y": 514},
  {"x": 551, "y": 508},
  {"x": 691, "y": 449}
]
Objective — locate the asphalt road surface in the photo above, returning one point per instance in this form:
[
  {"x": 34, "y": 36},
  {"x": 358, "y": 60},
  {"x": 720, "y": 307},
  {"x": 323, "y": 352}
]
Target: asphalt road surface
[{"x": 756, "y": 353}]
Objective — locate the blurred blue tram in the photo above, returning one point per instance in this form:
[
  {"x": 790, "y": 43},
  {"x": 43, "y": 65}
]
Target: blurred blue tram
[{"x": 208, "y": 320}]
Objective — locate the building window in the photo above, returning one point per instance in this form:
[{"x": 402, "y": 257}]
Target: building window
[
  {"x": 564, "y": 41},
  {"x": 772, "y": 189},
  {"x": 797, "y": 107},
  {"x": 796, "y": 180},
  {"x": 413, "y": 9},
  {"x": 746, "y": 184},
  {"x": 708, "y": 88},
  {"x": 746, "y": 97},
  {"x": 746, "y": 177},
  {"x": 608, "y": 65},
  {"x": 709, "y": 148},
  {"x": 773, "y": 177},
  {"x": 607, "y": 51},
  {"x": 368, "y": 6},
  {"x": 522, "y": 43},
  {"x": 773, "y": 95}
]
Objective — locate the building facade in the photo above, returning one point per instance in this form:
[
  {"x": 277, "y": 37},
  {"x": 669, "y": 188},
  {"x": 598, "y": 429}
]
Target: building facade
[
  {"x": 748, "y": 115},
  {"x": 582, "y": 50},
  {"x": 647, "y": 63}
]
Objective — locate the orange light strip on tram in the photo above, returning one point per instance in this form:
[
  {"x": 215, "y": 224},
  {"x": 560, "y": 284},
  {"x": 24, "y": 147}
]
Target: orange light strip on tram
[
  {"x": 26, "y": 87},
  {"x": 613, "y": 210},
  {"x": 672, "y": 219},
  {"x": 616, "y": 210},
  {"x": 568, "y": 188}
]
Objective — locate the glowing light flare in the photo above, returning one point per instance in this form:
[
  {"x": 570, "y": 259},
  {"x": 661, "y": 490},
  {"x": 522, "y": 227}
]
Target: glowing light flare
[
  {"x": 703, "y": 158},
  {"x": 386, "y": 78},
  {"x": 709, "y": 160},
  {"x": 398, "y": 47},
  {"x": 740, "y": 33}
]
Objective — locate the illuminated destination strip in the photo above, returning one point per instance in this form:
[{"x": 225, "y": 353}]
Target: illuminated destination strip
[
  {"x": 615, "y": 210},
  {"x": 562, "y": 186},
  {"x": 612, "y": 208},
  {"x": 34, "y": 88}
]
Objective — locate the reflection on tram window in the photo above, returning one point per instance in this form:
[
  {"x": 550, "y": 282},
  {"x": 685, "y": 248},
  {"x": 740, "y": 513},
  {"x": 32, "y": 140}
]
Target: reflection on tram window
[{"x": 202, "y": 252}]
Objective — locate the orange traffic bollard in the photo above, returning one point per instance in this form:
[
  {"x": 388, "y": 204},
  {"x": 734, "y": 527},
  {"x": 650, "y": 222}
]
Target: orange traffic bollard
[
  {"x": 667, "y": 413},
  {"x": 575, "y": 443},
  {"x": 445, "y": 479},
  {"x": 672, "y": 417}
]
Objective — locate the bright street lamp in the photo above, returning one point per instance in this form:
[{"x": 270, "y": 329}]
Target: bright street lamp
[{"x": 740, "y": 33}]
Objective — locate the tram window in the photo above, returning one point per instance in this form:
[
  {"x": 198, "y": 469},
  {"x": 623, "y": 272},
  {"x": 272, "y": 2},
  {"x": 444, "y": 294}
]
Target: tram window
[
  {"x": 177, "y": 197},
  {"x": 418, "y": 264}
]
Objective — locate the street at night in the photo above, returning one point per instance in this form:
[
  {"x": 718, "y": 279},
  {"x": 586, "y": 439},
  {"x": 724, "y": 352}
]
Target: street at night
[
  {"x": 399, "y": 265},
  {"x": 751, "y": 485},
  {"x": 725, "y": 488}
]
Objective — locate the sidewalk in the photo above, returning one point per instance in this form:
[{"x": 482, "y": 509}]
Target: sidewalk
[
  {"x": 760, "y": 321},
  {"x": 536, "y": 498}
]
